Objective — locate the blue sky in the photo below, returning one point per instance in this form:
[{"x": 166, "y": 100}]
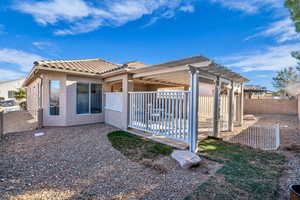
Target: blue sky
[{"x": 252, "y": 37}]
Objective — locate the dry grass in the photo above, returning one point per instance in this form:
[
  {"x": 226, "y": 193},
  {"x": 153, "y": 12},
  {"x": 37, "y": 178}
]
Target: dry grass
[
  {"x": 137, "y": 148},
  {"x": 246, "y": 174}
]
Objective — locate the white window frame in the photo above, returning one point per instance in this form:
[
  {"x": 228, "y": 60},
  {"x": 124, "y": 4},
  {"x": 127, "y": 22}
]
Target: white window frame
[{"x": 90, "y": 99}]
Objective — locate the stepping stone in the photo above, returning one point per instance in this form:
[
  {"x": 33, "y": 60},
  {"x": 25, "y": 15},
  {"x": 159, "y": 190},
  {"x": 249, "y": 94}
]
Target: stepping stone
[{"x": 186, "y": 159}]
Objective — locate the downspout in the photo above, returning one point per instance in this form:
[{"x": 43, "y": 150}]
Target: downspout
[
  {"x": 40, "y": 112},
  {"x": 40, "y": 92}
]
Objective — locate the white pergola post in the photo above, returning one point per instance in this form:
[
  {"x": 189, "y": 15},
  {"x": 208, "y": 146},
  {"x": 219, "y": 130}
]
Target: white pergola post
[
  {"x": 127, "y": 86},
  {"x": 217, "y": 108},
  {"x": 193, "y": 110},
  {"x": 241, "y": 106},
  {"x": 231, "y": 107}
]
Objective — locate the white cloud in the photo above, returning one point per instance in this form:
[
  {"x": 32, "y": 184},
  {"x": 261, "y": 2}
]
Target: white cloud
[
  {"x": 85, "y": 16},
  {"x": 282, "y": 30},
  {"x": 9, "y": 75},
  {"x": 81, "y": 16},
  {"x": 52, "y": 11},
  {"x": 269, "y": 58},
  {"x": 187, "y": 8},
  {"x": 250, "y": 6},
  {"x": 81, "y": 27},
  {"x": 23, "y": 59},
  {"x": 42, "y": 45}
]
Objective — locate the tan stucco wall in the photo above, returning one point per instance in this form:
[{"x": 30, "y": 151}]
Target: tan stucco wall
[
  {"x": 59, "y": 120},
  {"x": 206, "y": 89},
  {"x": 67, "y": 102},
  {"x": 271, "y": 106},
  {"x": 32, "y": 93}
]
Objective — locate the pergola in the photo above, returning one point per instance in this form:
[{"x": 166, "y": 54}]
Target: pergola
[{"x": 188, "y": 73}]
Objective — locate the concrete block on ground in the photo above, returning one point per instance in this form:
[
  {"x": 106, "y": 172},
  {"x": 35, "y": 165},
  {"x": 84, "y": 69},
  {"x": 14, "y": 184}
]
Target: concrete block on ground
[{"x": 186, "y": 159}]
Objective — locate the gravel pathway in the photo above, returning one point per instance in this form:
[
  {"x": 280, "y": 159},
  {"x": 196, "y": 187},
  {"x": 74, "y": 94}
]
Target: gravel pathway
[
  {"x": 18, "y": 121},
  {"x": 79, "y": 163}
]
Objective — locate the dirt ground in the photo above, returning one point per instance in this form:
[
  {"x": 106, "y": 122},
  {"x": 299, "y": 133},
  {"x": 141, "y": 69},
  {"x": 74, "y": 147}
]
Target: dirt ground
[
  {"x": 80, "y": 163},
  {"x": 289, "y": 146},
  {"x": 18, "y": 121}
]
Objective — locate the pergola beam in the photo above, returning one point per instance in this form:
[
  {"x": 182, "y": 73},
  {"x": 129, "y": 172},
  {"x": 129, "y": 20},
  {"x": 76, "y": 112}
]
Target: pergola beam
[
  {"x": 155, "y": 81},
  {"x": 160, "y": 71},
  {"x": 222, "y": 72}
]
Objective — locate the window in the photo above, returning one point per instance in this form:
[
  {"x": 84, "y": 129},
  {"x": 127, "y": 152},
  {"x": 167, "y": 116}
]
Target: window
[
  {"x": 96, "y": 98},
  {"x": 11, "y": 94},
  {"x": 54, "y": 91},
  {"x": 83, "y": 98},
  {"x": 89, "y": 98}
]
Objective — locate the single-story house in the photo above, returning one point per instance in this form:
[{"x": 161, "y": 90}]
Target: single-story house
[
  {"x": 254, "y": 92},
  {"x": 176, "y": 99},
  {"x": 8, "y": 88}
]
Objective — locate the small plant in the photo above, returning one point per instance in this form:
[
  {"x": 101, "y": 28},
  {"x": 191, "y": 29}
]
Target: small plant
[{"x": 20, "y": 94}]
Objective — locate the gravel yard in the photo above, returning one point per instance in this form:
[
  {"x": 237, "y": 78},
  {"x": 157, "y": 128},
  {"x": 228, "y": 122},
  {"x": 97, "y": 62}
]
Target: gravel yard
[{"x": 80, "y": 163}]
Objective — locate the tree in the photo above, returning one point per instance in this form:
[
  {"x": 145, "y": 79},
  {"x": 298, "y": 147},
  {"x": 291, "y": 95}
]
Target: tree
[
  {"x": 294, "y": 8},
  {"x": 20, "y": 94},
  {"x": 284, "y": 78},
  {"x": 296, "y": 54}
]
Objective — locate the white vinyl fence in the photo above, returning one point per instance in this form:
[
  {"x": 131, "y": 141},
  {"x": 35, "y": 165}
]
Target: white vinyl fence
[
  {"x": 261, "y": 137},
  {"x": 114, "y": 101},
  {"x": 163, "y": 113},
  {"x": 206, "y": 112}
]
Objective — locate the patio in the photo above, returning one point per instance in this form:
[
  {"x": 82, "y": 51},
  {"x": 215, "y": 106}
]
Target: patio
[{"x": 176, "y": 100}]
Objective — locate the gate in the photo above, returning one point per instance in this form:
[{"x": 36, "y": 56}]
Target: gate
[{"x": 162, "y": 113}]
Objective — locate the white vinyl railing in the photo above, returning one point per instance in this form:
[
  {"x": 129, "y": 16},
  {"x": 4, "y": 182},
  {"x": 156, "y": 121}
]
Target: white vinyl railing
[
  {"x": 163, "y": 113},
  {"x": 261, "y": 137}
]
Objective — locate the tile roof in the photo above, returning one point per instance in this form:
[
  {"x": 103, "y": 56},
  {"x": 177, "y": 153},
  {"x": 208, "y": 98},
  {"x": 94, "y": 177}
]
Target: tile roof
[
  {"x": 254, "y": 87},
  {"x": 92, "y": 66},
  {"x": 135, "y": 65}
]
